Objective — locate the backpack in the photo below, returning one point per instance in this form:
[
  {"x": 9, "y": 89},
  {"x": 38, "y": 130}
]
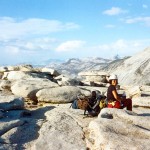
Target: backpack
[
  {"x": 74, "y": 104},
  {"x": 82, "y": 104},
  {"x": 103, "y": 104}
]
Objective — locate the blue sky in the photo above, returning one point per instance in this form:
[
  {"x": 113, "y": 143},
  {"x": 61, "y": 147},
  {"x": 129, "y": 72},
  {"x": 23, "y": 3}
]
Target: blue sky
[{"x": 37, "y": 30}]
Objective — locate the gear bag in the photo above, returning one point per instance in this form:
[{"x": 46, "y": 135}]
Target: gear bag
[
  {"x": 74, "y": 104},
  {"x": 80, "y": 103}
]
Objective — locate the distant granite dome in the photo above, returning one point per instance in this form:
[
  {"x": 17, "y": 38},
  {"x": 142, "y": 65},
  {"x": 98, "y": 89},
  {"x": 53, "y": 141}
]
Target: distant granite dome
[
  {"x": 75, "y": 65},
  {"x": 134, "y": 70}
]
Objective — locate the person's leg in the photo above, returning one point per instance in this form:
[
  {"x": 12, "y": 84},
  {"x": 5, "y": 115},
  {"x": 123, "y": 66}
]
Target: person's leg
[
  {"x": 115, "y": 104},
  {"x": 110, "y": 105},
  {"x": 127, "y": 103}
]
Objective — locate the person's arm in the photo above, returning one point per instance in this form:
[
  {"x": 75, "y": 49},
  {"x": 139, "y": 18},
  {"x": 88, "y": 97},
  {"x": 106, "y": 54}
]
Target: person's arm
[{"x": 116, "y": 96}]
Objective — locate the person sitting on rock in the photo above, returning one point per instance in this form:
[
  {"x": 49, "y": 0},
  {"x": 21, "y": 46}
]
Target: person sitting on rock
[
  {"x": 92, "y": 99},
  {"x": 114, "y": 100},
  {"x": 94, "y": 108}
]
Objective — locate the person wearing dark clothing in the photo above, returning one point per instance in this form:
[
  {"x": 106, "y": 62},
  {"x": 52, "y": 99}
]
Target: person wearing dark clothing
[
  {"x": 92, "y": 99},
  {"x": 93, "y": 108},
  {"x": 114, "y": 100}
]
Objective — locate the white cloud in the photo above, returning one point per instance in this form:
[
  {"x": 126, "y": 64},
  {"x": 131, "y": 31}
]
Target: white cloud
[
  {"x": 123, "y": 47},
  {"x": 117, "y": 45},
  {"x": 70, "y": 45},
  {"x": 114, "y": 11},
  {"x": 120, "y": 44},
  {"x": 44, "y": 43},
  {"x": 30, "y": 46},
  {"x": 145, "y": 6},
  {"x": 145, "y": 20},
  {"x": 12, "y": 28},
  {"x": 18, "y": 36}
]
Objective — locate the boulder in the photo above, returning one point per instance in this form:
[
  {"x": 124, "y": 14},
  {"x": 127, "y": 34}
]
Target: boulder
[
  {"x": 26, "y": 68},
  {"x": 51, "y": 127},
  {"x": 145, "y": 88},
  {"x": 102, "y": 90},
  {"x": 17, "y": 103},
  {"x": 17, "y": 75},
  {"x": 63, "y": 80},
  {"x": 87, "y": 93},
  {"x": 62, "y": 94},
  {"x": 94, "y": 83},
  {"x": 13, "y": 68},
  {"x": 17, "y": 114},
  {"x": 94, "y": 76},
  {"x": 141, "y": 102},
  {"x": 41, "y": 75},
  {"x": 29, "y": 88},
  {"x": 50, "y": 71},
  {"x": 7, "y": 146},
  {"x": 3, "y": 69},
  {"x": 119, "y": 129},
  {"x": 6, "y": 96},
  {"x": 133, "y": 91},
  {"x": 60, "y": 131},
  {"x": 5, "y": 85},
  {"x": 19, "y": 128},
  {"x": 1, "y": 75},
  {"x": 5, "y": 74},
  {"x": 87, "y": 83},
  {"x": 6, "y": 126},
  {"x": 21, "y": 133}
]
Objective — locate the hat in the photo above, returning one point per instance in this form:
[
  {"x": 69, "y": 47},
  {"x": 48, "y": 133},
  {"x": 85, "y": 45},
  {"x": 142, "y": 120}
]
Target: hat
[{"x": 113, "y": 77}]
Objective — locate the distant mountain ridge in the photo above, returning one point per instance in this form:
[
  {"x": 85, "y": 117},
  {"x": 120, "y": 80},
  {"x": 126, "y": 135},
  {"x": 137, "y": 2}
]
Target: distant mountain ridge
[
  {"x": 75, "y": 65},
  {"x": 133, "y": 70},
  {"x": 49, "y": 61}
]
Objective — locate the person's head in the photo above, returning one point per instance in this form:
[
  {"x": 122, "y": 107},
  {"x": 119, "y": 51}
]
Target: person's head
[
  {"x": 93, "y": 94},
  {"x": 113, "y": 79}
]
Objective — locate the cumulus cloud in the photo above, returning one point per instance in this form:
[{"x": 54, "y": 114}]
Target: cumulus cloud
[
  {"x": 114, "y": 11},
  {"x": 70, "y": 45},
  {"x": 20, "y": 36},
  {"x": 28, "y": 46},
  {"x": 145, "y": 20},
  {"x": 12, "y": 28}
]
